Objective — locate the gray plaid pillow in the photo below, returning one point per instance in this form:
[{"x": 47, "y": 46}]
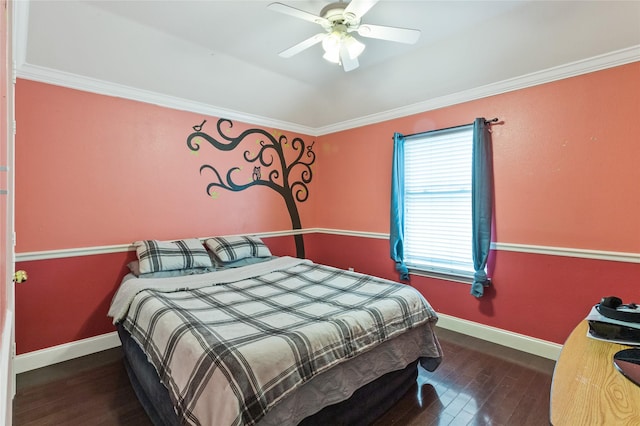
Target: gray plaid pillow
[
  {"x": 231, "y": 249},
  {"x": 155, "y": 256}
]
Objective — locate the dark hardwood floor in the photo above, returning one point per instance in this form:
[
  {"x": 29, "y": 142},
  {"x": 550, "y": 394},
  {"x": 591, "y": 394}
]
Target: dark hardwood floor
[{"x": 478, "y": 383}]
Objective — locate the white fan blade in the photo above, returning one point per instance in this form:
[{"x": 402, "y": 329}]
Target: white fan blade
[
  {"x": 297, "y": 13},
  {"x": 348, "y": 63},
  {"x": 359, "y": 7},
  {"x": 303, "y": 45},
  {"x": 401, "y": 35}
]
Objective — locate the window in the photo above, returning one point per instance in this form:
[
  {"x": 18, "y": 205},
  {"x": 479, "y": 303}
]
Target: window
[
  {"x": 441, "y": 206},
  {"x": 437, "y": 201}
]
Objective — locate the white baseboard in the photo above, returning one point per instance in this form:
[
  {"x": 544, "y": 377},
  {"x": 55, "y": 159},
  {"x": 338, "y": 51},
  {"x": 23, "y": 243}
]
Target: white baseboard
[
  {"x": 67, "y": 351},
  {"x": 502, "y": 337},
  {"x": 55, "y": 354},
  {"x": 6, "y": 375}
]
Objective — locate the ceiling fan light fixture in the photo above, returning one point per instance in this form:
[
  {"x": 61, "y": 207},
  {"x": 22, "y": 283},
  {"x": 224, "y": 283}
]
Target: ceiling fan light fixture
[
  {"x": 331, "y": 45},
  {"x": 338, "y": 20},
  {"x": 334, "y": 42},
  {"x": 354, "y": 47},
  {"x": 333, "y": 57}
]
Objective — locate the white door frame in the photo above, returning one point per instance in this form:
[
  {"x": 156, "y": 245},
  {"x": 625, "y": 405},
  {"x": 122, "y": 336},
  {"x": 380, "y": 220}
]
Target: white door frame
[{"x": 7, "y": 375}]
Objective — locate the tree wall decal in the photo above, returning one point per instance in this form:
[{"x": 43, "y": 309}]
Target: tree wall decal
[{"x": 288, "y": 175}]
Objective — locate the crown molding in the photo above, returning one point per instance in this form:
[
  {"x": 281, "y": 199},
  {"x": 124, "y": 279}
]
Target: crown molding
[
  {"x": 93, "y": 85},
  {"x": 572, "y": 69},
  {"x": 61, "y": 78}
]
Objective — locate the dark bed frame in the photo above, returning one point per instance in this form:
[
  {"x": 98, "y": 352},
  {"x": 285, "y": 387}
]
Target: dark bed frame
[{"x": 363, "y": 407}]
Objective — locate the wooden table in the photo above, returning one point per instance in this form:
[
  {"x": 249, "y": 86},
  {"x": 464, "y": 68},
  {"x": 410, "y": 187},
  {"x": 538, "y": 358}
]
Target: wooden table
[{"x": 587, "y": 389}]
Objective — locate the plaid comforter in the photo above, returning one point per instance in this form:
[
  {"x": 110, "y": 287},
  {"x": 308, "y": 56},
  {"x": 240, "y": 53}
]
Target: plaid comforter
[{"x": 229, "y": 345}]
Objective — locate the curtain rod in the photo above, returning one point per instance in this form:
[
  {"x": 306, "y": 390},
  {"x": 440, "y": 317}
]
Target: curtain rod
[{"x": 493, "y": 120}]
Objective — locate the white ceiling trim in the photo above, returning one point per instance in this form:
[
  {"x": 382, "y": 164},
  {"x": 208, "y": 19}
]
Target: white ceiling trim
[
  {"x": 597, "y": 63},
  {"x": 65, "y": 79},
  {"x": 73, "y": 81},
  {"x": 92, "y": 85}
]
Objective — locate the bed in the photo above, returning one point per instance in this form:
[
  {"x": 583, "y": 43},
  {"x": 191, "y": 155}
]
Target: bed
[{"x": 257, "y": 339}]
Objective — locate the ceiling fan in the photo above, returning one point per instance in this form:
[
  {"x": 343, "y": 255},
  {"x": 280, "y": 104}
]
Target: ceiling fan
[{"x": 339, "y": 20}]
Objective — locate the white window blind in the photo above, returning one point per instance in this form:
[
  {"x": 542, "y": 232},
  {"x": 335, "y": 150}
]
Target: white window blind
[{"x": 437, "y": 236}]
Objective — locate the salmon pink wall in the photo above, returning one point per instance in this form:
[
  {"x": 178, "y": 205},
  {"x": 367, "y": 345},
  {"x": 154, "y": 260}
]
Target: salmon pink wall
[
  {"x": 535, "y": 295},
  {"x": 96, "y": 170},
  {"x": 566, "y": 171},
  {"x": 566, "y": 163},
  {"x": 67, "y": 299}
]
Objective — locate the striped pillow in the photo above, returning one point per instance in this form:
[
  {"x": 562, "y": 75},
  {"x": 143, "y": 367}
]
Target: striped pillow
[
  {"x": 155, "y": 256},
  {"x": 231, "y": 249}
]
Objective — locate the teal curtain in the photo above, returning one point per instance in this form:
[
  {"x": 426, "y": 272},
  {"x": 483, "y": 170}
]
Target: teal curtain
[
  {"x": 481, "y": 203},
  {"x": 396, "y": 234}
]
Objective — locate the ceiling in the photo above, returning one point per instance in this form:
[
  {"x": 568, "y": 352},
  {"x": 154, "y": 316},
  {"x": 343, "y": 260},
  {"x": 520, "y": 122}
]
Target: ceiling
[{"x": 222, "y": 56}]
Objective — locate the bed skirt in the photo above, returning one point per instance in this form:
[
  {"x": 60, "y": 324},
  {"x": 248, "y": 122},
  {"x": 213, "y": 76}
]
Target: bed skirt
[{"x": 362, "y": 408}]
